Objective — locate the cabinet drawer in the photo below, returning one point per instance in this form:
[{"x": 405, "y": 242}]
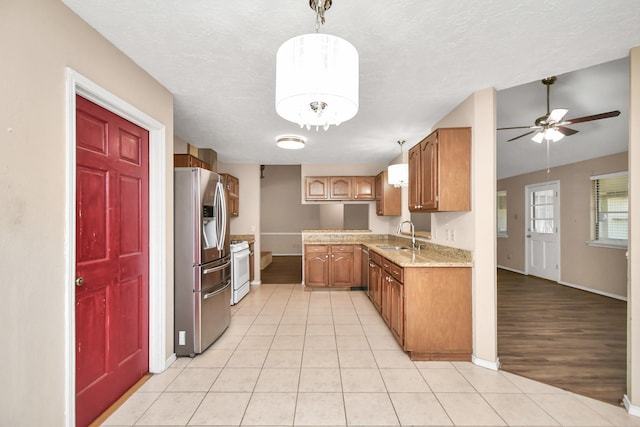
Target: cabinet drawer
[
  {"x": 397, "y": 272},
  {"x": 316, "y": 248},
  {"x": 375, "y": 257},
  {"x": 341, "y": 248},
  {"x": 394, "y": 270}
]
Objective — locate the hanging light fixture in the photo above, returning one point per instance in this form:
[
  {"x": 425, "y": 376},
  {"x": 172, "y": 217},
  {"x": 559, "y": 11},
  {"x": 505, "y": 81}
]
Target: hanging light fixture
[
  {"x": 398, "y": 174},
  {"x": 317, "y": 77}
]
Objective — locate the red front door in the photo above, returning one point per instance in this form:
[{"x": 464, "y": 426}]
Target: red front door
[{"x": 112, "y": 258}]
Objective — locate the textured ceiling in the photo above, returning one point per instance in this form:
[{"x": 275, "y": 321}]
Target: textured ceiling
[{"x": 418, "y": 60}]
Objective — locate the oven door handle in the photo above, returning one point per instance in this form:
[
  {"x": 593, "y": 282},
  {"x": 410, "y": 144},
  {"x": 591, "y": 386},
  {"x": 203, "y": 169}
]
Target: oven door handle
[
  {"x": 219, "y": 291},
  {"x": 218, "y": 268}
]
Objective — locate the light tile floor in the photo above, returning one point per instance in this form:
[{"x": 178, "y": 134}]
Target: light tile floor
[{"x": 301, "y": 358}]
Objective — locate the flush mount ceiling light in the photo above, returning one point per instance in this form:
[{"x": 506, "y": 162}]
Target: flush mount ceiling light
[
  {"x": 398, "y": 174},
  {"x": 290, "y": 142},
  {"x": 317, "y": 77}
]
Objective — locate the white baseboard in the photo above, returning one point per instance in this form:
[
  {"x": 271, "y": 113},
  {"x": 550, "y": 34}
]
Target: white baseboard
[
  {"x": 512, "y": 269},
  {"x": 631, "y": 409},
  {"x": 169, "y": 361},
  {"x": 494, "y": 366},
  {"x": 256, "y": 283},
  {"x": 594, "y": 291}
]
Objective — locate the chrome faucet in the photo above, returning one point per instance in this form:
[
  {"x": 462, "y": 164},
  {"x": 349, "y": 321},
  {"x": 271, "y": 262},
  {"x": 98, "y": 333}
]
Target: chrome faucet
[{"x": 413, "y": 232}]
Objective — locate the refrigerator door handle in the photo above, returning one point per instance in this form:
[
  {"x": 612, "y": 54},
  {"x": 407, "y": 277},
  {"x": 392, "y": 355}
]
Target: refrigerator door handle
[
  {"x": 219, "y": 291},
  {"x": 222, "y": 216},
  {"x": 218, "y": 268}
]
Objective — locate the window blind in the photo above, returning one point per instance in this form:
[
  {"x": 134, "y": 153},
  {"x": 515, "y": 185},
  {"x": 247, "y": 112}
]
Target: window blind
[{"x": 610, "y": 208}]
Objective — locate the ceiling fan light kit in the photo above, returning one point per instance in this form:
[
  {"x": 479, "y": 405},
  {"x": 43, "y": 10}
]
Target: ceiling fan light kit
[
  {"x": 317, "y": 77},
  {"x": 551, "y": 126}
]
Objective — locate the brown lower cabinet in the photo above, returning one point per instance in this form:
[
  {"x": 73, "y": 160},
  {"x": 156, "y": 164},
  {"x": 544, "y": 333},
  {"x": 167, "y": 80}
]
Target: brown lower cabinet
[
  {"x": 252, "y": 258},
  {"x": 428, "y": 309},
  {"x": 331, "y": 265}
]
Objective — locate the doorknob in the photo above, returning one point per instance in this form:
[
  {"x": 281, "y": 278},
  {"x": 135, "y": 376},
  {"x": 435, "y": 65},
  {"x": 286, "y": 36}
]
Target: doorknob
[{"x": 79, "y": 281}]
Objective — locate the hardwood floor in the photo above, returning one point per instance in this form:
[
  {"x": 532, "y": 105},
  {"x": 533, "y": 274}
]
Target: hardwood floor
[
  {"x": 562, "y": 336},
  {"x": 283, "y": 269}
]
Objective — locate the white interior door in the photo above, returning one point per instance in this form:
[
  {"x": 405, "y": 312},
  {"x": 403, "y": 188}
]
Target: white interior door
[{"x": 543, "y": 230}]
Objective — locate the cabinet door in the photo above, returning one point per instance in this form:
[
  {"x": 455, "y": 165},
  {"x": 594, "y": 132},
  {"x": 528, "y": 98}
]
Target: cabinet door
[
  {"x": 340, "y": 187},
  {"x": 396, "y": 305},
  {"x": 375, "y": 278},
  {"x": 385, "y": 297},
  {"x": 316, "y": 188},
  {"x": 415, "y": 184},
  {"x": 379, "y": 182},
  {"x": 364, "y": 187},
  {"x": 316, "y": 266},
  {"x": 429, "y": 172},
  {"x": 251, "y": 261},
  {"x": 341, "y": 269}
]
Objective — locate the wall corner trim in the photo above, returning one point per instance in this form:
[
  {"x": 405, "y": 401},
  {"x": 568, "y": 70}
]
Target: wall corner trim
[
  {"x": 494, "y": 366},
  {"x": 631, "y": 409}
]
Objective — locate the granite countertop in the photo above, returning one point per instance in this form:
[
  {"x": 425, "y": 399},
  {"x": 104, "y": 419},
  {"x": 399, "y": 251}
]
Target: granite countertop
[
  {"x": 249, "y": 238},
  {"x": 430, "y": 255}
]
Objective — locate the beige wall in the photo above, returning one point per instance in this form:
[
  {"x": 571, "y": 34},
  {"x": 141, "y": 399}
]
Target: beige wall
[
  {"x": 633, "y": 299},
  {"x": 602, "y": 269},
  {"x": 38, "y": 39},
  {"x": 180, "y": 146},
  {"x": 282, "y": 210},
  {"x": 248, "y": 222}
]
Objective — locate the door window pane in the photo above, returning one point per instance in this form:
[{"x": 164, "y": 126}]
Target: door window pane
[{"x": 542, "y": 212}]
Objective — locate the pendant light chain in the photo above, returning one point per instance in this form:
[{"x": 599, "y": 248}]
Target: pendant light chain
[{"x": 319, "y": 14}]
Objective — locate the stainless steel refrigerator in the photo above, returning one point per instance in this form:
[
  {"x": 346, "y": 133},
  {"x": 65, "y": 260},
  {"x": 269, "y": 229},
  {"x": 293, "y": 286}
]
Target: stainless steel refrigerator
[{"x": 202, "y": 270}]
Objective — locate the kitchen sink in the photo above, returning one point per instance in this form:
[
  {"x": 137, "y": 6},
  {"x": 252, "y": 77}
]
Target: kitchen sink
[{"x": 394, "y": 248}]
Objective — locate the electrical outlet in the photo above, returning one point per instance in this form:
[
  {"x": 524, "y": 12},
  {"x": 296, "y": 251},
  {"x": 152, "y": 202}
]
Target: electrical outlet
[
  {"x": 182, "y": 338},
  {"x": 453, "y": 235}
]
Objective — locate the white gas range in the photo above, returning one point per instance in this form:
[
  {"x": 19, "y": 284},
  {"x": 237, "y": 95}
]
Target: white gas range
[{"x": 239, "y": 270}]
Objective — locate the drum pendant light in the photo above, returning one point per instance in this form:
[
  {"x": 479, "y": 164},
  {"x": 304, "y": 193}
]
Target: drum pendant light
[
  {"x": 317, "y": 77},
  {"x": 398, "y": 174}
]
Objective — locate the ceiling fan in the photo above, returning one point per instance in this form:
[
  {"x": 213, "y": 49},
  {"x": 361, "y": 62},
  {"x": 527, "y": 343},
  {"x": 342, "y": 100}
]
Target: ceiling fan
[{"x": 551, "y": 126}]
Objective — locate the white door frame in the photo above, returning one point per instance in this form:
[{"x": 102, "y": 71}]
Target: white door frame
[
  {"x": 558, "y": 224},
  {"x": 78, "y": 84}
]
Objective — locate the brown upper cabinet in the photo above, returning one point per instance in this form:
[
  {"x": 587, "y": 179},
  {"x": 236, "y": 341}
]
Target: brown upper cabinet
[
  {"x": 440, "y": 172},
  {"x": 364, "y": 187},
  {"x": 387, "y": 196},
  {"x": 189, "y": 161},
  {"x": 233, "y": 187},
  {"x": 317, "y": 187},
  {"x": 340, "y": 188}
]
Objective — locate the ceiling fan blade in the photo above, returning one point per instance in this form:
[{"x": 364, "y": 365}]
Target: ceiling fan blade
[
  {"x": 516, "y": 127},
  {"x": 556, "y": 115},
  {"x": 518, "y": 137},
  {"x": 590, "y": 118},
  {"x": 566, "y": 131}
]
